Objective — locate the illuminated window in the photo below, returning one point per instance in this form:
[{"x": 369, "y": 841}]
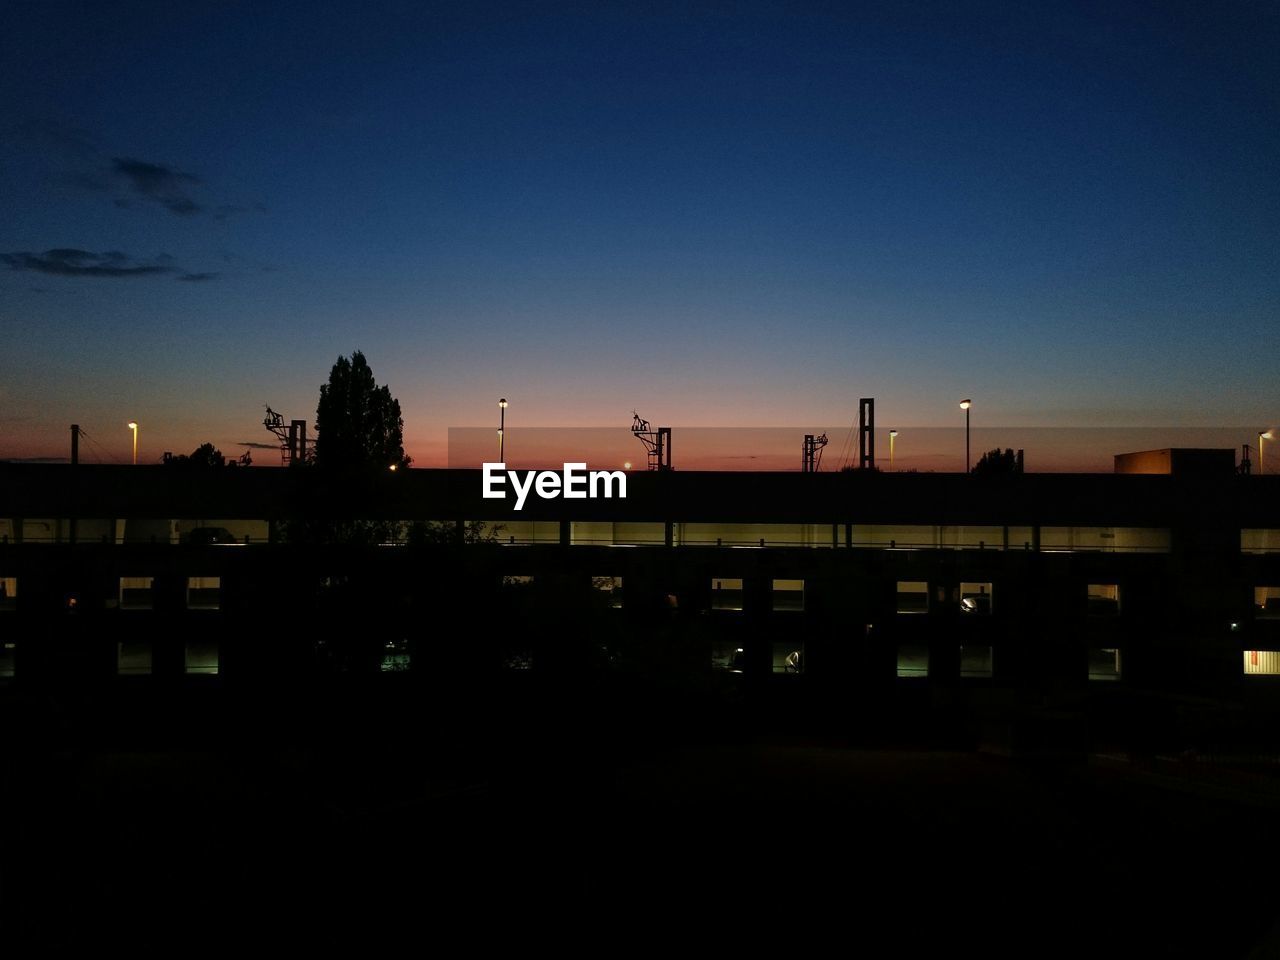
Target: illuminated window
[
  {"x": 201, "y": 656},
  {"x": 204, "y": 593},
  {"x": 1104, "y": 664},
  {"x": 788, "y": 595},
  {"x": 754, "y": 535},
  {"x": 1266, "y": 603},
  {"x": 600, "y": 532},
  {"x": 726, "y": 594},
  {"x": 133, "y": 658},
  {"x": 1104, "y": 539},
  {"x": 395, "y": 655},
  {"x": 520, "y": 660},
  {"x": 8, "y": 652},
  {"x": 727, "y": 656},
  {"x": 1260, "y": 541},
  {"x": 8, "y": 593},
  {"x": 913, "y": 596},
  {"x": 788, "y": 656},
  {"x": 975, "y": 661},
  {"x": 1262, "y": 662},
  {"x": 913, "y": 660},
  {"x": 1104, "y": 599},
  {"x": 135, "y": 594},
  {"x": 610, "y": 588},
  {"x": 975, "y": 599}
]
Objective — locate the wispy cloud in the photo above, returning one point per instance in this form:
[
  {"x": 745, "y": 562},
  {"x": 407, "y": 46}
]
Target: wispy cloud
[
  {"x": 228, "y": 210},
  {"x": 258, "y": 446},
  {"x": 79, "y": 160},
  {"x": 70, "y": 262},
  {"x": 158, "y": 184}
]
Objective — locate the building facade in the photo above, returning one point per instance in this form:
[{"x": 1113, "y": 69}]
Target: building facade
[{"x": 1167, "y": 582}]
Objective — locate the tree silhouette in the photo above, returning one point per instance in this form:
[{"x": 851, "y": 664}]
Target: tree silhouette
[
  {"x": 422, "y": 533},
  {"x": 996, "y": 462},
  {"x": 359, "y": 434},
  {"x": 206, "y": 457},
  {"x": 358, "y": 423}
]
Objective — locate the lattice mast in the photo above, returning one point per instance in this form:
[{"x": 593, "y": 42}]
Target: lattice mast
[
  {"x": 295, "y": 447},
  {"x": 657, "y": 443},
  {"x": 811, "y": 455}
]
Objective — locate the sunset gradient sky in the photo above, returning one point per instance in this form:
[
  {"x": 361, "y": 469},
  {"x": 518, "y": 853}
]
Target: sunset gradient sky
[{"x": 714, "y": 214}]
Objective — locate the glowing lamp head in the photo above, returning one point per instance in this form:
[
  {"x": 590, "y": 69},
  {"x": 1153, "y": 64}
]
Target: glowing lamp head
[
  {"x": 893, "y": 433},
  {"x": 965, "y": 404},
  {"x": 392, "y": 468},
  {"x": 1266, "y": 435},
  {"x": 627, "y": 465},
  {"x": 133, "y": 425},
  {"x": 503, "y": 403}
]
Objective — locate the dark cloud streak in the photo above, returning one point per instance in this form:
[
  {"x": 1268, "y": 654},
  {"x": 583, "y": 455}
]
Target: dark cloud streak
[
  {"x": 228, "y": 210},
  {"x": 160, "y": 184},
  {"x": 70, "y": 262}
]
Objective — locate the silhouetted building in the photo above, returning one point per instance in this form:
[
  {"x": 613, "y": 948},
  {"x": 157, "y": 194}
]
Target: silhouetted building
[
  {"x": 1166, "y": 579},
  {"x": 1178, "y": 460}
]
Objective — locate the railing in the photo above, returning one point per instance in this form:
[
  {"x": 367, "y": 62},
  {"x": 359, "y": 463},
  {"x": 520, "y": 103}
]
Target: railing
[{"x": 502, "y": 538}]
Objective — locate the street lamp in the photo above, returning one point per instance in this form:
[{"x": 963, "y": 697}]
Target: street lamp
[
  {"x": 965, "y": 405},
  {"x": 893, "y": 434},
  {"x": 502, "y": 429},
  {"x": 134, "y": 427},
  {"x": 1264, "y": 435}
]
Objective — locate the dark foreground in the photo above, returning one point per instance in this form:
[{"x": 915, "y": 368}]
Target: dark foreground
[{"x": 507, "y": 826}]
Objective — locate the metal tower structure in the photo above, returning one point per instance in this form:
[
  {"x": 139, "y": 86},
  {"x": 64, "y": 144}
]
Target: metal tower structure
[
  {"x": 657, "y": 443},
  {"x": 294, "y": 447},
  {"x": 811, "y": 457},
  {"x": 867, "y": 433}
]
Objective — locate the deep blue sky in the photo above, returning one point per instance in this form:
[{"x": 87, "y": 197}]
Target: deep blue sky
[{"x": 715, "y": 214}]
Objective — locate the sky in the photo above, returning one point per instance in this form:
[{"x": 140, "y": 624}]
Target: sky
[{"x": 713, "y": 214}]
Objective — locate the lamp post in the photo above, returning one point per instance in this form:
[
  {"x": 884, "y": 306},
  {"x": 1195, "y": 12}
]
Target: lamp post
[
  {"x": 1264, "y": 435},
  {"x": 893, "y": 435},
  {"x": 134, "y": 427},
  {"x": 502, "y": 429},
  {"x": 965, "y": 405}
]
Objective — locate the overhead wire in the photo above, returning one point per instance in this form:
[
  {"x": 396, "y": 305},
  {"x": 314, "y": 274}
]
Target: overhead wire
[{"x": 100, "y": 450}]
